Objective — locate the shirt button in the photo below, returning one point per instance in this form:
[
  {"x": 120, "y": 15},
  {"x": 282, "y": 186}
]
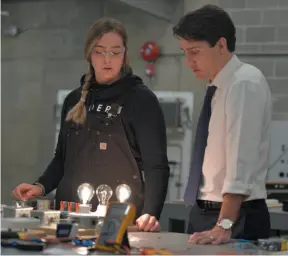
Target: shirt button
[{"x": 135, "y": 177}]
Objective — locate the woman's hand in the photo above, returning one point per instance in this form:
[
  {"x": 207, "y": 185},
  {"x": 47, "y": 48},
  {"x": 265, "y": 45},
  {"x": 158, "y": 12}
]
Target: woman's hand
[
  {"x": 146, "y": 222},
  {"x": 26, "y": 191}
]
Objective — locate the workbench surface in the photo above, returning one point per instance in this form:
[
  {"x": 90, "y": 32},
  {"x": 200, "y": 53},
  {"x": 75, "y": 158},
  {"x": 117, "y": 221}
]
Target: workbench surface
[{"x": 175, "y": 242}]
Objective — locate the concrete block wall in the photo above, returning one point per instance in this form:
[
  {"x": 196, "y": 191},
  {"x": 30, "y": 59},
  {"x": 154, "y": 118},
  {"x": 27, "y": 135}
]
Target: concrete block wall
[
  {"x": 48, "y": 56},
  {"x": 262, "y": 27}
]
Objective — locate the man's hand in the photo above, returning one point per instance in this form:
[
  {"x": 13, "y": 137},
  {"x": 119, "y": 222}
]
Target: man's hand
[
  {"x": 146, "y": 222},
  {"x": 217, "y": 235},
  {"x": 230, "y": 210}
]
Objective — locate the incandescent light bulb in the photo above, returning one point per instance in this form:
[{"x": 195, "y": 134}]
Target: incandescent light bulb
[
  {"x": 85, "y": 192},
  {"x": 104, "y": 193},
  {"x": 123, "y": 192}
]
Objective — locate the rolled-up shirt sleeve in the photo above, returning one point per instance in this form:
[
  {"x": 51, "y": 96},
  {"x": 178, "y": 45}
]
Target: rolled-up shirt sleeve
[{"x": 244, "y": 110}]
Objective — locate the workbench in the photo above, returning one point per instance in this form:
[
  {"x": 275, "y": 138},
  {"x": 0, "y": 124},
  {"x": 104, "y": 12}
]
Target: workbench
[
  {"x": 174, "y": 218},
  {"x": 174, "y": 221},
  {"x": 173, "y": 242}
]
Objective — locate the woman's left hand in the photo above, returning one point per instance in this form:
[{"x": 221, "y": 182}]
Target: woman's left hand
[{"x": 146, "y": 222}]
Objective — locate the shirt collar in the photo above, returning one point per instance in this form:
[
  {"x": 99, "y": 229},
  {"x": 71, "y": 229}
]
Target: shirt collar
[{"x": 227, "y": 71}]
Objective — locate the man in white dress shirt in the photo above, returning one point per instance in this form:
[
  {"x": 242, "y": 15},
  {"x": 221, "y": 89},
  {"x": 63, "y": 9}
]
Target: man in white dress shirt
[{"x": 226, "y": 186}]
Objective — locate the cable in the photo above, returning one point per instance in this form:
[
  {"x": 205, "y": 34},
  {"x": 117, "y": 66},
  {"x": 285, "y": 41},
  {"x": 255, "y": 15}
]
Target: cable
[
  {"x": 172, "y": 165},
  {"x": 180, "y": 147},
  {"x": 284, "y": 152},
  {"x": 188, "y": 123}
]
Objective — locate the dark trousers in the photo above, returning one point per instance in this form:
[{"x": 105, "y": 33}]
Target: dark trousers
[{"x": 253, "y": 222}]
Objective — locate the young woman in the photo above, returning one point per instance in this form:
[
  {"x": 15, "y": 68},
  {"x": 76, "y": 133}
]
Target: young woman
[{"x": 112, "y": 132}]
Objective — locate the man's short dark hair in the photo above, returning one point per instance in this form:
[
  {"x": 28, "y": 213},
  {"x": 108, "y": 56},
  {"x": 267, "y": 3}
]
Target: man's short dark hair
[{"x": 208, "y": 23}]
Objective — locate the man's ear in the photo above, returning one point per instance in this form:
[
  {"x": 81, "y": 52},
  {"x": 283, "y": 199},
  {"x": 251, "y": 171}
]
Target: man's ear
[{"x": 222, "y": 44}]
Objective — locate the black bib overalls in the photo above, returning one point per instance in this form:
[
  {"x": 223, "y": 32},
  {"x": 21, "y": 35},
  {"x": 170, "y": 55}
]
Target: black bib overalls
[{"x": 98, "y": 152}]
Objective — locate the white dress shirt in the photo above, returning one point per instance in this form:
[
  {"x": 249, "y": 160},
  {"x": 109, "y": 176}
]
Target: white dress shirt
[{"x": 236, "y": 156}]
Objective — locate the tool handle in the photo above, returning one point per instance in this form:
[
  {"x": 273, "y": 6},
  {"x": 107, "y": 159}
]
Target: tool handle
[
  {"x": 23, "y": 245},
  {"x": 33, "y": 246},
  {"x": 9, "y": 235}
]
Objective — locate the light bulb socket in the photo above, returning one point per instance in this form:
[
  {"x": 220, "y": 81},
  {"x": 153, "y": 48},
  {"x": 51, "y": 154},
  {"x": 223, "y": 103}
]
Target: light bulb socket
[
  {"x": 101, "y": 210},
  {"x": 84, "y": 208}
]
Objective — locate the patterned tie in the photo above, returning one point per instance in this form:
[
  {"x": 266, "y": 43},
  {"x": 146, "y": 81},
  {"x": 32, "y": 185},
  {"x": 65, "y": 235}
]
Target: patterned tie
[{"x": 195, "y": 174}]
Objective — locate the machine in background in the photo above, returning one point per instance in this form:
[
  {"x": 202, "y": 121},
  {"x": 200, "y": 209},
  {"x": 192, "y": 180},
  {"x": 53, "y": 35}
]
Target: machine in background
[{"x": 277, "y": 180}]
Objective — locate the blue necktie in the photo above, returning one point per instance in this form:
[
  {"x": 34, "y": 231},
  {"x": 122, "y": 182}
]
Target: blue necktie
[{"x": 195, "y": 174}]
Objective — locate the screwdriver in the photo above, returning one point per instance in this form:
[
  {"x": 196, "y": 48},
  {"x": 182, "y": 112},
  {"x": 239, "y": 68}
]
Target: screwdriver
[{"x": 23, "y": 245}]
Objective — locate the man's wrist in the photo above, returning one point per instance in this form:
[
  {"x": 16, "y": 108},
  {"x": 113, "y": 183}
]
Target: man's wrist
[
  {"x": 229, "y": 210},
  {"x": 225, "y": 223}
]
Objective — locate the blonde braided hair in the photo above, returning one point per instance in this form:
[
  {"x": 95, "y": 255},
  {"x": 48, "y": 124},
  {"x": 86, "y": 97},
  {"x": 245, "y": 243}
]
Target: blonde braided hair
[{"x": 102, "y": 26}]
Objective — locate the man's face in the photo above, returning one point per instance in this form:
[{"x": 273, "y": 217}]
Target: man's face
[{"x": 201, "y": 57}]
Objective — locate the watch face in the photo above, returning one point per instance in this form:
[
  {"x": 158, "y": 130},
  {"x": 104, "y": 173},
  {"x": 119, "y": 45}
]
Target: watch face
[{"x": 226, "y": 224}]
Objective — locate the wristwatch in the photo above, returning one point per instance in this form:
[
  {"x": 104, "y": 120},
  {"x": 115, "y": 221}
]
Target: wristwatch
[{"x": 225, "y": 224}]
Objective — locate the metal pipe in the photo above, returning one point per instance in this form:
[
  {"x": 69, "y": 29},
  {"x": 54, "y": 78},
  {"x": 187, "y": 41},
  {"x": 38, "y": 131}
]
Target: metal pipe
[
  {"x": 5, "y": 13},
  {"x": 247, "y": 54}
]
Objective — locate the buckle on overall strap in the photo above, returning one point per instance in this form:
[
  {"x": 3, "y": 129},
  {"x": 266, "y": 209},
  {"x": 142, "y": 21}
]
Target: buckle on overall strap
[{"x": 114, "y": 110}]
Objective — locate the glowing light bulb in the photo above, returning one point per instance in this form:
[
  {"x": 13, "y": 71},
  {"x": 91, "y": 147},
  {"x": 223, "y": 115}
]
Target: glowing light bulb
[
  {"x": 123, "y": 192},
  {"x": 85, "y": 192},
  {"x": 104, "y": 193}
]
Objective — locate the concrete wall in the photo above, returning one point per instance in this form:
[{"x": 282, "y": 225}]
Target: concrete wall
[
  {"x": 262, "y": 28},
  {"x": 49, "y": 56}
]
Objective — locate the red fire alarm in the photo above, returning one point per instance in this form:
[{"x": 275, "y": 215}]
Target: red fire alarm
[{"x": 150, "y": 51}]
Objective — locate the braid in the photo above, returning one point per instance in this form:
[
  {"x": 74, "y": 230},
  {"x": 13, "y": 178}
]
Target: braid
[{"x": 78, "y": 113}]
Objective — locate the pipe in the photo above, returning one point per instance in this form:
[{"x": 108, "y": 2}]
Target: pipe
[
  {"x": 5, "y": 13},
  {"x": 247, "y": 54}
]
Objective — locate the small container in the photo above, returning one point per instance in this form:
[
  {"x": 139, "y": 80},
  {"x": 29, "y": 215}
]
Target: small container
[
  {"x": 43, "y": 205},
  {"x": 64, "y": 206}
]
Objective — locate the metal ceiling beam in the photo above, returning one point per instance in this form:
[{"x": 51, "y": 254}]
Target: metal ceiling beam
[{"x": 163, "y": 9}]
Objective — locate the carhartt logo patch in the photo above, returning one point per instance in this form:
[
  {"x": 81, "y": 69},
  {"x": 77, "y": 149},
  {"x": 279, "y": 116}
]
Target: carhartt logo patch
[{"x": 103, "y": 146}]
